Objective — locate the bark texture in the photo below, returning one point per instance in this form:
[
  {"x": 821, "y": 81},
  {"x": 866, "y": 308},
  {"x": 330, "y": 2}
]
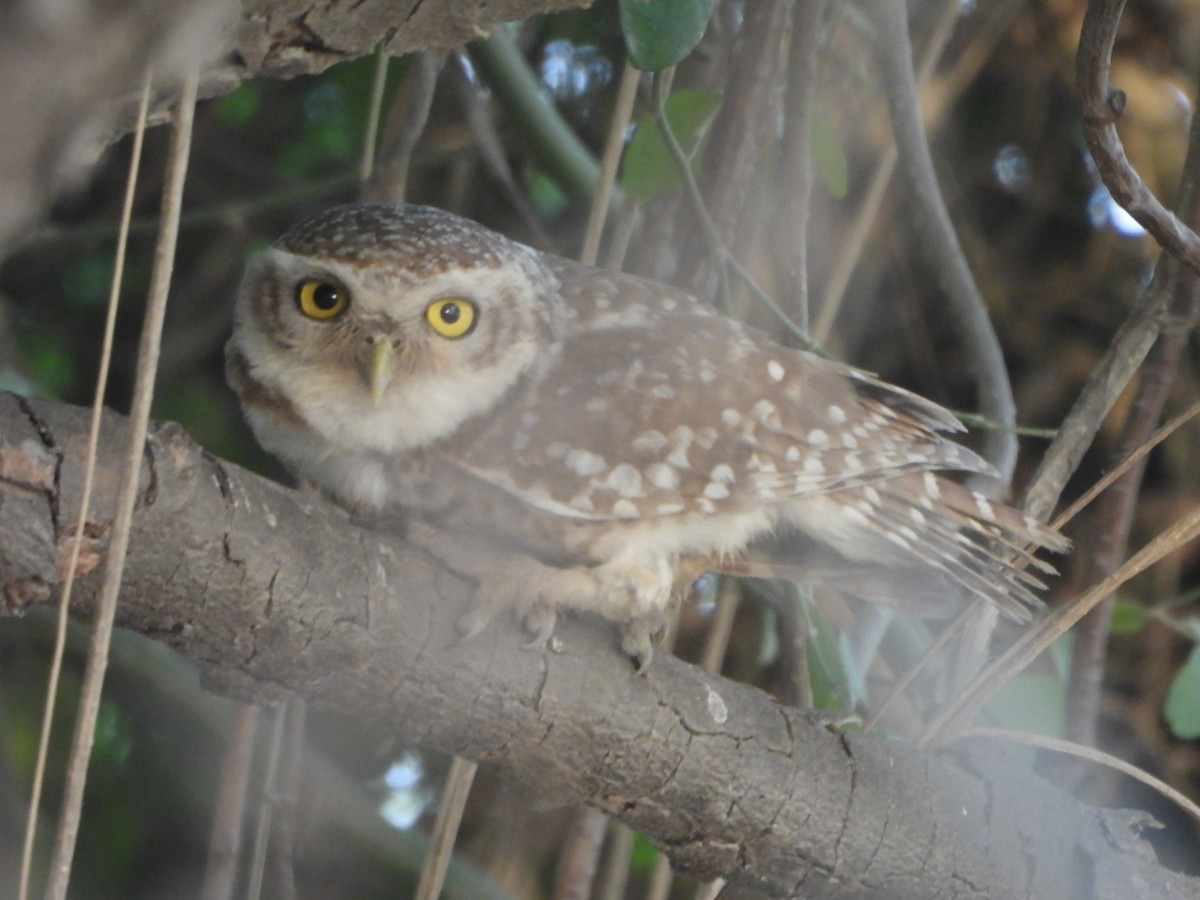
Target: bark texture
[
  {"x": 275, "y": 592},
  {"x": 70, "y": 69}
]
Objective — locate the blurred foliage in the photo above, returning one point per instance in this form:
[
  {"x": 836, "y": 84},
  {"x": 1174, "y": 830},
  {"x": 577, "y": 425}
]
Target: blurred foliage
[
  {"x": 660, "y": 33},
  {"x": 648, "y": 170},
  {"x": 1053, "y": 257}
]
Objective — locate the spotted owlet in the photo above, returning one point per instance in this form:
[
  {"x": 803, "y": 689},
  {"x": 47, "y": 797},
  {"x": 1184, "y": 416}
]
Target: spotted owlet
[{"x": 582, "y": 439}]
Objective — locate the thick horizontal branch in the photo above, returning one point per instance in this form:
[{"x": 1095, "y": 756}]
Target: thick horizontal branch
[
  {"x": 275, "y": 593},
  {"x": 80, "y": 65}
]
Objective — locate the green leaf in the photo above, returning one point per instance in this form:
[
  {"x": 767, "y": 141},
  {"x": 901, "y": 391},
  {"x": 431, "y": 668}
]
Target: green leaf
[
  {"x": 649, "y": 171},
  {"x": 659, "y": 33},
  {"x": 832, "y": 672},
  {"x": 829, "y": 160},
  {"x": 546, "y": 196},
  {"x": 1183, "y": 699},
  {"x": 1128, "y": 617},
  {"x": 1032, "y": 703},
  {"x": 238, "y": 108}
]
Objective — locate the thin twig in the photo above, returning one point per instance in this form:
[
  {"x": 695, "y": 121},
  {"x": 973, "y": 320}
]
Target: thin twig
[
  {"x": 620, "y": 854},
  {"x": 580, "y": 855},
  {"x": 852, "y": 243},
  {"x": 89, "y": 471},
  {"x": 266, "y": 808},
  {"x": 143, "y": 394},
  {"x": 1123, "y": 466},
  {"x": 794, "y": 211},
  {"x": 406, "y": 121},
  {"x": 1092, "y": 754},
  {"x": 1102, "y": 105},
  {"x": 106, "y": 359},
  {"x": 965, "y": 303},
  {"x": 548, "y": 136},
  {"x": 1119, "y": 364},
  {"x": 225, "y": 839},
  {"x": 614, "y": 144},
  {"x": 1027, "y": 648},
  {"x": 1116, "y": 511},
  {"x": 285, "y": 798},
  {"x": 724, "y": 260},
  {"x": 366, "y": 166},
  {"x": 445, "y": 828}
]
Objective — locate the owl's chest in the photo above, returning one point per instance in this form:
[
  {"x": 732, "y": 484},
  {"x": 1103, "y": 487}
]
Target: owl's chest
[{"x": 428, "y": 486}]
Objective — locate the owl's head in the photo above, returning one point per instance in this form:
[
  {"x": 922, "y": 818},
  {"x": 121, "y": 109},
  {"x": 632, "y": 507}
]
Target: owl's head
[{"x": 387, "y": 326}]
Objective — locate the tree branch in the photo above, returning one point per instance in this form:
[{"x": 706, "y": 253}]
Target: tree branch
[
  {"x": 1102, "y": 105},
  {"x": 275, "y": 593},
  {"x": 938, "y": 239},
  {"x": 79, "y": 65}
]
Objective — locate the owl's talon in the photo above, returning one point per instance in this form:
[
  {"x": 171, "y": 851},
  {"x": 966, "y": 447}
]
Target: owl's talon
[
  {"x": 471, "y": 624},
  {"x": 638, "y": 643},
  {"x": 540, "y": 623}
]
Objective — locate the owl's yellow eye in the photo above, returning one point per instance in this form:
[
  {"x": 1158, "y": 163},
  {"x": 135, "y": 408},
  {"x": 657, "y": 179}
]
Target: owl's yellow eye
[
  {"x": 451, "y": 317},
  {"x": 321, "y": 299}
]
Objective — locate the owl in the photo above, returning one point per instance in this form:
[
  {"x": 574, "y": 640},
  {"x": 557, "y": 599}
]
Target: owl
[{"x": 575, "y": 438}]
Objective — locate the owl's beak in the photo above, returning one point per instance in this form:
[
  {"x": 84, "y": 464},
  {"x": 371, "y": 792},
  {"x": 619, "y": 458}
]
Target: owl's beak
[{"x": 381, "y": 366}]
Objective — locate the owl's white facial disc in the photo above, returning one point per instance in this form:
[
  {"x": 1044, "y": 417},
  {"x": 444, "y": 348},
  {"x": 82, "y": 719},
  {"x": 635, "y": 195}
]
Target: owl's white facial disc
[{"x": 397, "y": 289}]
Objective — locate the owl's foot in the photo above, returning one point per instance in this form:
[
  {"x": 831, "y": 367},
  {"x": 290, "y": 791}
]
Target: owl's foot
[
  {"x": 540, "y": 622},
  {"x": 640, "y": 636}
]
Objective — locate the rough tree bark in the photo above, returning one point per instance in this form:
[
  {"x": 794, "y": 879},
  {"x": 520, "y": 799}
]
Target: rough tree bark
[
  {"x": 276, "y": 593},
  {"x": 78, "y": 63}
]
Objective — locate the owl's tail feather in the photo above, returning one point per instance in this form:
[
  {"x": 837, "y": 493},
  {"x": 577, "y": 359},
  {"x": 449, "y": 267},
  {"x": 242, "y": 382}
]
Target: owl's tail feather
[{"x": 920, "y": 544}]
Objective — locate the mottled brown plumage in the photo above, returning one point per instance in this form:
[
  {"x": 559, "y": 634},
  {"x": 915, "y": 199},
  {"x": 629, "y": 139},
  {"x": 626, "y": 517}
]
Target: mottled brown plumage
[{"x": 609, "y": 436}]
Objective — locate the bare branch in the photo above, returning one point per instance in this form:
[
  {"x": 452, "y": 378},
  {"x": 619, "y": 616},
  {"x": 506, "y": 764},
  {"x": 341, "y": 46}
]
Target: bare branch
[
  {"x": 276, "y": 593},
  {"x": 1102, "y": 105},
  {"x": 964, "y": 302}
]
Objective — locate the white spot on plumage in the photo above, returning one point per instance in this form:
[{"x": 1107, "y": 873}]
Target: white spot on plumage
[
  {"x": 649, "y": 442},
  {"x": 556, "y": 450},
  {"x": 663, "y": 476},
  {"x": 813, "y": 465},
  {"x": 837, "y": 415},
  {"x": 707, "y": 436},
  {"x": 663, "y": 391},
  {"x": 756, "y": 464},
  {"x": 730, "y": 416},
  {"x": 669, "y": 509},
  {"x": 597, "y": 405},
  {"x": 852, "y": 464},
  {"x": 584, "y": 462},
  {"x": 582, "y": 502},
  {"x": 775, "y": 370},
  {"x": 792, "y": 454},
  {"x": 818, "y": 438},
  {"x": 931, "y": 486},
  {"x": 721, "y": 473},
  {"x": 623, "y": 509},
  {"x": 716, "y": 490},
  {"x": 849, "y": 441},
  {"x": 681, "y": 440},
  {"x": 984, "y": 507},
  {"x": 766, "y": 412},
  {"x": 625, "y": 480}
]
